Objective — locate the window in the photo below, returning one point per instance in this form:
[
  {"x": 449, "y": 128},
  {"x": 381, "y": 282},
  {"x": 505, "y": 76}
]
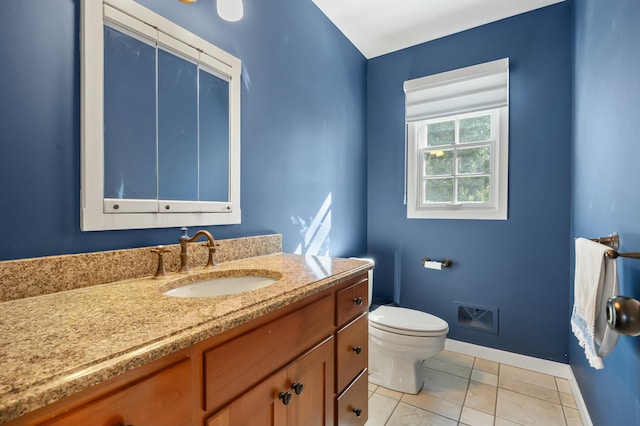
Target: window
[
  {"x": 457, "y": 143},
  {"x": 160, "y": 122}
]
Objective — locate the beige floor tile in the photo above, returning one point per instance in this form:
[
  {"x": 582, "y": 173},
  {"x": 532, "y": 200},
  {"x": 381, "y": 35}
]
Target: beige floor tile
[
  {"x": 550, "y": 395},
  {"x": 448, "y": 367},
  {"x": 408, "y": 415},
  {"x": 481, "y": 397},
  {"x": 473, "y": 417},
  {"x": 389, "y": 393},
  {"x": 527, "y": 410},
  {"x": 504, "y": 422},
  {"x": 445, "y": 386},
  {"x": 380, "y": 408},
  {"x": 455, "y": 358},
  {"x": 568, "y": 400},
  {"x": 572, "y": 416},
  {"x": 563, "y": 385},
  {"x": 484, "y": 377},
  {"x": 486, "y": 366},
  {"x": 370, "y": 393},
  {"x": 434, "y": 404},
  {"x": 372, "y": 387},
  {"x": 528, "y": 376}
]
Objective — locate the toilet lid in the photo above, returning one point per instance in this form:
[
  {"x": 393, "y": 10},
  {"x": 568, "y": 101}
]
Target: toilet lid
[{"x": 407, "y": 321}]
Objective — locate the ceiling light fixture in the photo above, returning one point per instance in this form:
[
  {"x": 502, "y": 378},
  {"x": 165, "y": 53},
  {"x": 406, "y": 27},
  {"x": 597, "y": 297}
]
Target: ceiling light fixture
[{"x": 229, "y": 10}]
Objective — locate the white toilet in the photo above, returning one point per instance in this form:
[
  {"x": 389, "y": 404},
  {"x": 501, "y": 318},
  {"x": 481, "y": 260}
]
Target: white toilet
[{"x": 399, "y": 340}]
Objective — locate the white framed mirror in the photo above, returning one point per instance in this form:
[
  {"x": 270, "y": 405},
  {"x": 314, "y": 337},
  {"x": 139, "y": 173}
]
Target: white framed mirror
[{"x": 160, "y": 122}]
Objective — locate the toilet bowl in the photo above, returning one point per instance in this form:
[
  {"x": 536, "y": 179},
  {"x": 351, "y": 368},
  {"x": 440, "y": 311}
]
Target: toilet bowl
[{"x": 399, "y": 340}]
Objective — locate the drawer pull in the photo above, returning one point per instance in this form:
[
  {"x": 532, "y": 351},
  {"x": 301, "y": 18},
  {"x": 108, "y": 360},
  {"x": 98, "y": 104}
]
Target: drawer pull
[
  {"x": 357, "y": 300},
  {"x": 285, "y": 397},
  {"x": 357, "y": 412},
  {"x": 297, "y": 388},
  {"x": 357, "y": 350}
]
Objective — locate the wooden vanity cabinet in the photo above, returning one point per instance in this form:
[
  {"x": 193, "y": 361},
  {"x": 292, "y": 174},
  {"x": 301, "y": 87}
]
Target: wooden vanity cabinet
[
  {"x": 352, "y": 354},
  {"x": 299, "y": 394},
  {"x": 163, "y": 398},
  {"x": 303, "y": 364}
]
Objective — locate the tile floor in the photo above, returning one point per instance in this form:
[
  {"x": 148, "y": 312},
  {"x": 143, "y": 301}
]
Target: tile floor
[{"x": 461, "y": 390}]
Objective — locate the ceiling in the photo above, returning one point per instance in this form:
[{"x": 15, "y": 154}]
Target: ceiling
[{"x": 377, "y": 27}]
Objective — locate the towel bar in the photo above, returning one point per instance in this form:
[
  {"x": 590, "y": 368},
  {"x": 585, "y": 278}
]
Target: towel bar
[{"x": 613, "y": 241}]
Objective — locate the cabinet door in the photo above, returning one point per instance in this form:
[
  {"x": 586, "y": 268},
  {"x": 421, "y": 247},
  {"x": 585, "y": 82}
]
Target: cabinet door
[
  {"x": 312, "y": 376},
  {"x": 298, "y": 395},
  {"x": 163, "y": 399},
  {"x": 259, "y": 406}
]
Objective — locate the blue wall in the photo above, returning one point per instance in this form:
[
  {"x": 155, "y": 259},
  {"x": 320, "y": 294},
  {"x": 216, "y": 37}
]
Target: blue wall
[
  {"x": 605, "y": 182},
  {"x": 519, "y": 266},
  {"x": 303, "y": 125}
]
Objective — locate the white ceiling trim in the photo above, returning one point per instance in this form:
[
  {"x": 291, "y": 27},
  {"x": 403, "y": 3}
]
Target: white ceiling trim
[{"x": 378, "y": 27}]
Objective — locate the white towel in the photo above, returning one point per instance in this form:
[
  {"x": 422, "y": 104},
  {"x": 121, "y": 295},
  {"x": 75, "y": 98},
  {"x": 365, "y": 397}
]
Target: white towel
[{"x": 595, "y": 281}]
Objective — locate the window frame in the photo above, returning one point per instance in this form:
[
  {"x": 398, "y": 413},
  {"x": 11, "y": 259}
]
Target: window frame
[
  {"x": 451, "y": 95},
  {"x": 495, "y": 209}
]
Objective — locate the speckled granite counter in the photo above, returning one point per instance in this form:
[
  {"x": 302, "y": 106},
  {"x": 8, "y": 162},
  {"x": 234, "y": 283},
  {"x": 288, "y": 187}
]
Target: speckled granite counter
[{"x": 56, "y": 344}]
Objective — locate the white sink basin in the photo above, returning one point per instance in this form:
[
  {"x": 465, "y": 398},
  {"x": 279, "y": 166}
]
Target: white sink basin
[{"x": 221, "y": 286}]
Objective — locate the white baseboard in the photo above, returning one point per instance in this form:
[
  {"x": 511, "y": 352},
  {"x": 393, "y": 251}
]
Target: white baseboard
[
  {"x": 527, "y": 362},
  {"x": 582, "y": 407},
  {"x": 516, "y": 360}
]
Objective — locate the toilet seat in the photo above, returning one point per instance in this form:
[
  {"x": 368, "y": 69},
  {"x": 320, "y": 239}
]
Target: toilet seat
[{"x": 408, "y": 322}]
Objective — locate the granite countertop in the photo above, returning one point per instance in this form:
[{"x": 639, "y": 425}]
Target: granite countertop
[{"x": 54, "y": 345}]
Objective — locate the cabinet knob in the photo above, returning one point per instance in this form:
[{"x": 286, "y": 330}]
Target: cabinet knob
[
  {"x": 297, "y": 388},
  {"x": 357, "y": 412},
  {"x": 285, "y": 397},
  {"x": 357, "y": 300},
  {"x": 357, "y": 350}
]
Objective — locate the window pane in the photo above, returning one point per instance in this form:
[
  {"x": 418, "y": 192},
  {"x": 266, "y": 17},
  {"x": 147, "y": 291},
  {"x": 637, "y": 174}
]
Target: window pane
[
  {"x": 443, "y": 133},
  {"x": 474, "y": 160},
  {"x": 438, "y": 190},
  {"x": 438, "y": 163},
  {"x": 474, "y": 189},
  {"x": 475, "y": 129}
]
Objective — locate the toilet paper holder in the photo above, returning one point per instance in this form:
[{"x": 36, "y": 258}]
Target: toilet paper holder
[{"x": 446, "y": 263}]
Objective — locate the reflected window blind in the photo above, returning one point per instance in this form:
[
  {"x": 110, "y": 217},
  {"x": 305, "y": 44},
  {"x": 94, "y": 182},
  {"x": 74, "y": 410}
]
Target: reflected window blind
[{"x": 464, "y": 90}]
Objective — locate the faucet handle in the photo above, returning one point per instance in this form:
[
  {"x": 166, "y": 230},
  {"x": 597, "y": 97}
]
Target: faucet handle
[
  {"x": 160, "y": 250},
  {"x": 185, "y": 233}
]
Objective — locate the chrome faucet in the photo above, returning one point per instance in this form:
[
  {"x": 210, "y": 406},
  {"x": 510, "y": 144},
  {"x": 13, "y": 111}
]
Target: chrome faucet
[{"x": 185, "y": 239}]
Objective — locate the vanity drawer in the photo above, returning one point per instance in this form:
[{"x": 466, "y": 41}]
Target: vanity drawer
[
  {"x": 233, "y": 367},
  {"x": 352, "y": 351},
  {"x": 163, "y": 398},
  {"x": 352, "y": 301},
  {"x": 353, "y": 405}
]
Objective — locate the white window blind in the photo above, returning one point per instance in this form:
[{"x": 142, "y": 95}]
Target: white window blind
[{"x": 461, "y": 91}]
